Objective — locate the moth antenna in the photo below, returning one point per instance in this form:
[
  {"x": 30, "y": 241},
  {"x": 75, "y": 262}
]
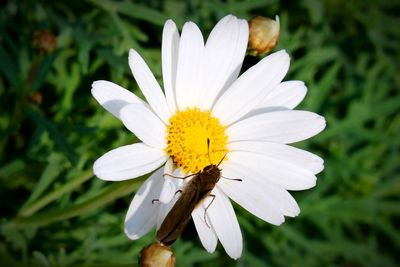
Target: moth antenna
[
  {"x": 208, "y": 150},
  {"x": 221, "y": 159},
  {"x": 233, "y": 179}
]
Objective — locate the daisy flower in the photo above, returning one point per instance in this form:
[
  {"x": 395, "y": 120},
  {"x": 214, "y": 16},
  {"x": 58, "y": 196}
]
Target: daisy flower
[{"x": 250, "y": 118}]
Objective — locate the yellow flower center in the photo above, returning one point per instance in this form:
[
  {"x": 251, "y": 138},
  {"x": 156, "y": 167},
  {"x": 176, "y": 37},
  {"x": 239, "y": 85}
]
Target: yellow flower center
[{"x": 188, "y": 132}]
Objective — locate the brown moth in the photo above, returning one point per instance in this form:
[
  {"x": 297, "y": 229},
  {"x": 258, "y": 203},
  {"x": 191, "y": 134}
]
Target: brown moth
[{"x": 193, "y": 193}]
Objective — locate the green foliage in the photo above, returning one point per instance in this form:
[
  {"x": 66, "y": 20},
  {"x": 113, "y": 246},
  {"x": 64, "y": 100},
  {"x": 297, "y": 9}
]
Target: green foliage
[{"x": 55, "y": 213}]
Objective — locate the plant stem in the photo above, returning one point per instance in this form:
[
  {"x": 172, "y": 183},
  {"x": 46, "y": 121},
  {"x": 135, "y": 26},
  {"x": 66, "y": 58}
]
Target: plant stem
[
  {"x": 114, "y": 191},
  {"x": 57, "y": 193}
]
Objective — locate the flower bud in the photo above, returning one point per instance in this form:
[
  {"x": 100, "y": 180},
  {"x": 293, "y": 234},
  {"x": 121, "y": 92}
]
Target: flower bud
[
  {"x": 36, "y": 98},
  {"x": 157, "y": 255},
  {"x": 263, "y": 35},
  {"x": 44, "y": 41}
]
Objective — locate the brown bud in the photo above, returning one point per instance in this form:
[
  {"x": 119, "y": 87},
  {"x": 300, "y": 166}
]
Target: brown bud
[
  {"x": 36, "y": 98},
  {"x": 44, "y": 41},
  {"x": 263, "y": 35},
  {"x": 157, "y": 255}
]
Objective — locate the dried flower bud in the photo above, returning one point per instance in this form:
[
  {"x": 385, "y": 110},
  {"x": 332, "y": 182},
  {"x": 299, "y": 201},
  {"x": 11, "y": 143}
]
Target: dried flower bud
[
  {"x": 263, "y": 35},
  {"x": 157, "y": 255},
  {"x": 36, "y": 98},
  {"x": 44, "y": 41}
]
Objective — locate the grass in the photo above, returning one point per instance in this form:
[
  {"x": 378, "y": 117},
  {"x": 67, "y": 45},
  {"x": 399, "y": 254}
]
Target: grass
[{"x": 55, "y": 213}]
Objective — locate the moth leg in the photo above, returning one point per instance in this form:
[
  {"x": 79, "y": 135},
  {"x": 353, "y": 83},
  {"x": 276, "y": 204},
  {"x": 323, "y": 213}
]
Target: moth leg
[
  {"x": 155, "y": 200},
  {"x": 205, "y": 212},
  {"x": 177, "y": 177}
]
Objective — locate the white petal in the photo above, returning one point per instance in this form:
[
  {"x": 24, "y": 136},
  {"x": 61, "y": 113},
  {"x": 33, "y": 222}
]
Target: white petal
[
  {"x": 188, "y": 76},
  {"x": 128, "y": 162},
  {"x": 149, "y": 85},
  {"x": 169, "y": 54},
  {"x": 278, "y": 197},
  {"x": 251, "y": 87},
  {"x": 287, "y": 94},
  {"x": 284, "y": 174},
  {"x": 224, "y": 53},
  {"x": 142, "y": 213},
  {"x": 168, "y": 191},
  {"x": 252, "y": 197},
  {"x": 170, "y": 184},
  {"x": 113, "y": 97},
  {"x": 225, "y": 224},
  {"x": 169, "y": 167},
  {"x": 206, "y": 234},
  {"x": 285, "y": 127},
  {"x": 163, "y": 211},
  {"x": 292, "y": 155},
  {"x": 166, "y": 207},
  {"x": 141, "y": 121}
]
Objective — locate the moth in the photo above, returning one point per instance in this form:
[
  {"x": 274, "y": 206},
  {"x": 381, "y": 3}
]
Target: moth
[{"x": 193, "y": 194}]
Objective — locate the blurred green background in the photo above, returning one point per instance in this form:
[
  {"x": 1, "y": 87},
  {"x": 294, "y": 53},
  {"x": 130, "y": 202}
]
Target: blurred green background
[{"x": 55, "y": 213}]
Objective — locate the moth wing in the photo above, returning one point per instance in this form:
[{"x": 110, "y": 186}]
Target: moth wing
[{"x": 179, "y": 216}]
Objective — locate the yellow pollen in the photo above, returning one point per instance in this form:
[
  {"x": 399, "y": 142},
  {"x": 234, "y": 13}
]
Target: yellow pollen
[{"x": 187, "y": 135}]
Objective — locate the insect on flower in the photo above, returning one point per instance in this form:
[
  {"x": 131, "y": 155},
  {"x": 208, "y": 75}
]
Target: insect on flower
[{"x": 193, "y": 193}]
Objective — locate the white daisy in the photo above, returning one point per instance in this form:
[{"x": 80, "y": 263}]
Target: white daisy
[{"x": 250, "y": 118}]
